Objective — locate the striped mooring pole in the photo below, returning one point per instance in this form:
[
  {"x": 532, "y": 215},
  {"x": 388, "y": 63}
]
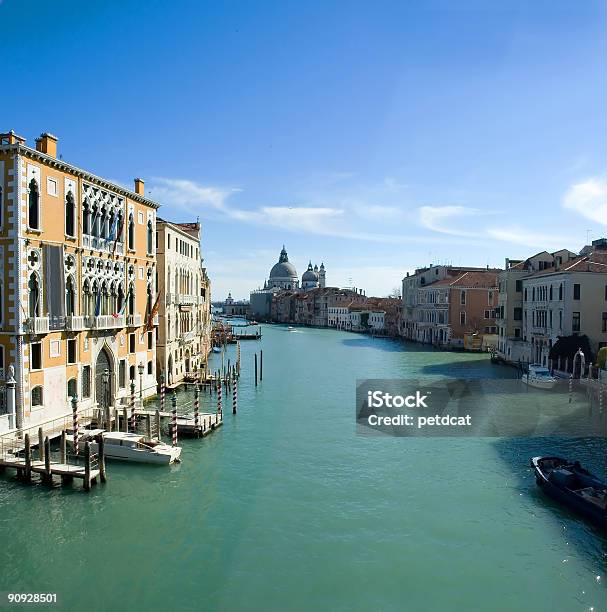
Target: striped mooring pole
[
  {"x": 174, "y": 418},
  {"x": 219, "y": 400},
  {"x": 196, "y": 407},
  {"x": 133, "y": 406},
  {"x": 234, "y": 397},
  {"x": 75, "y": 422},
  {"x": 570, "y": 387},
  {"x": 238, "y": 356},
  {"x": 162, "y": 391},
  {"x": 600, "y": 400}
]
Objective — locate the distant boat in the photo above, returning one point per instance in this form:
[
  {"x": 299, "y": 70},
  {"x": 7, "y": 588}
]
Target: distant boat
[
  {"x": 128, "y": 446},
  {"x": 539, "y": 377},
  {"x": 573, "y": 486},
  {"x": 216, "y": 349},
  {"x": 290, "y": 328}
]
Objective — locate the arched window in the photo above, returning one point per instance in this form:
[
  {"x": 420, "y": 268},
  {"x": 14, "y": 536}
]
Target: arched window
[
  {"x": 113, "y": 301},
  {"x": 104, "y": 299},
  {"x": 37, "y": 396},
  {"x": 148, "y": 306},
  {"x": 72, "y": 388},
  {"x": 132, "y": 299},
  {"x": 169, "y": 327},
  {"x": 95, "y": 224},
  {"x": 150, "y": 239},
  {"x": 96, "y": 300},
  {"x": 131, "y": 232},
  {"x": 86, "y": 218},
  {"x": 34, "y": 296},
  {"x": 120, "y": 299},
  {"x": 86, "y": 290},
  {"x": 103, "y": 227},
  {"x": 120, "y": 230},
  {"x": 70, "y": 214},
  {"x": 34, "y": 205},
  {"x": 70, "y": 297}
]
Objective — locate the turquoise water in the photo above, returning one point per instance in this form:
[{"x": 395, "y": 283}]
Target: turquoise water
[{"x": 286, "y": 508}]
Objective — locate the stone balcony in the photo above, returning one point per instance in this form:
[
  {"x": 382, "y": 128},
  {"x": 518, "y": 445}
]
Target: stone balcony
[
  {"x": 134, "y": 320},
  {"x": 105, "y": 322},
  {"x": 75, "y": 323},
  {"x": 37, "y": 325}
]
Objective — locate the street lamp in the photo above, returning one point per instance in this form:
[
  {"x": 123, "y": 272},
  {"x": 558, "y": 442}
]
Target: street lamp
[{"x": 141, "y": 381}]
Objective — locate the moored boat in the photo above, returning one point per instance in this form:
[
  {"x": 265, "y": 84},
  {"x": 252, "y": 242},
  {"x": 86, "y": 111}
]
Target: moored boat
[
  {"x": 539, "y": 377},
  {"x": 573, "y": 486},
  {"x": 216, "y": 349},
  {"x": 128, "y": 446}
]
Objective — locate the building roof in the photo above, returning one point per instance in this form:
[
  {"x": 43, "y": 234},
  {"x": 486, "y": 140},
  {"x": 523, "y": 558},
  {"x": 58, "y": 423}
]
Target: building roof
[
  {"x": 470, "y": 280},
  {"x": 284, "y": 268},
  {"x": 58, "y": 163}
]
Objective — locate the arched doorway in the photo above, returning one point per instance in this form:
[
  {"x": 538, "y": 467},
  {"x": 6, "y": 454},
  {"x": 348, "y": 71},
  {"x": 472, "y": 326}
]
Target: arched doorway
[
  {"x": 170, "y": 369},
  {"x": 104, "y": 362}
]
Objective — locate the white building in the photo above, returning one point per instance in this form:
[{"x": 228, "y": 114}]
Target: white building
[{"x": 184, "y": 336}]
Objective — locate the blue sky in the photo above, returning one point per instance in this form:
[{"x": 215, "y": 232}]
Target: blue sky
[{"x": 374, "y": 136}]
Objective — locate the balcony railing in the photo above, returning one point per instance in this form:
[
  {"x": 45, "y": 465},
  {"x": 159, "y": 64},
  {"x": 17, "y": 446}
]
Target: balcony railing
[
  {"x": 37, "y": 325},
  {"x": 74, "y": 323},
  {"x": 134, "y": 320},
  {"x": 185, "y": 299},
  {"x": 102, "y": 244},
  {"x": 171, "y": 298},
  {"x": 105, "y": 322}
]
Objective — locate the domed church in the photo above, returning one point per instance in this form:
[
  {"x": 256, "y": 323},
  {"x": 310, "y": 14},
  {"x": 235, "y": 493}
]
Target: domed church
[
  {"x": 283, "y": 274},
  {"x": 313, "y": 277}
]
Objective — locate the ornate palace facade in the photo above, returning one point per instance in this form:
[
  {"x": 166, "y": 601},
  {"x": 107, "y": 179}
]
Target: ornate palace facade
[{"x": 77, "y": 285}]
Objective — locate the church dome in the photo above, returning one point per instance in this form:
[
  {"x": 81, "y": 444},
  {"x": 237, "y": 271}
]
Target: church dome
[
  {"x": 310, "y": 275},
  {"x": 284, "y": 268}
]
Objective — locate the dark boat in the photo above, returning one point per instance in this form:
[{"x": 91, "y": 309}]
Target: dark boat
[{"x": 573, "y": 486}]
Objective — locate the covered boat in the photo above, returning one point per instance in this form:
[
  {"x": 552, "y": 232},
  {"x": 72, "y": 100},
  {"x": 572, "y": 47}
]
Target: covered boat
[
  {"x": 128, "y": 446},
  {"x": 539, "y": 376},
  {"x": 572, "y": 485}
]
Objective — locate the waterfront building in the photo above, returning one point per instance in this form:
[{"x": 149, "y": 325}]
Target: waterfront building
[
  {"x": 78, "y": 286},
  {"x": 429, "y": 316},
  {"x": 510, "y": 345},
  {"x": 569, "y": 299},
  {"x": 236, "y": 308},
  {"x": 457, "y": 307},
  {"x": 184, "y": 333}
]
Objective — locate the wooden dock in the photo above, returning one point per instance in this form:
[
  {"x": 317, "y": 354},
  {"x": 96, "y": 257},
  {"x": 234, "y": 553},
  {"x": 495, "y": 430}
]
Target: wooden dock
[{"x": 92, "y": 469}]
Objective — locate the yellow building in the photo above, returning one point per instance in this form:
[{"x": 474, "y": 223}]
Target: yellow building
[{"x": 78, "y": 286}]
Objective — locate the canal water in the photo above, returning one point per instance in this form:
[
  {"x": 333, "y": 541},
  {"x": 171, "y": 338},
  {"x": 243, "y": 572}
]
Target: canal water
[{"x": 287, "y": 508}]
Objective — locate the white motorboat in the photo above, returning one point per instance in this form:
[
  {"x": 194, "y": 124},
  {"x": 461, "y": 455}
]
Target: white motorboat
[
  {"x": 128, "y": 446},
  {"x": 290, "y": 328},
  {"x": 539, "y": 377},
  {"x": 216, "y": 349}
]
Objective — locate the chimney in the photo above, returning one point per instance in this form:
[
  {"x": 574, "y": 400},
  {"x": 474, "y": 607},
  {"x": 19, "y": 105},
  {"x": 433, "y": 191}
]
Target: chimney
[
  {"x": 139, "y": 186},
  {"x": 47, "y": 144},
  {"x": 10, "y": 138}
]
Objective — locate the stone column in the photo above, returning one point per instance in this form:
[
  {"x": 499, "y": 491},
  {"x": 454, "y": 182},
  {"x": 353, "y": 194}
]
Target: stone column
[{"x": 15, "y": 413}]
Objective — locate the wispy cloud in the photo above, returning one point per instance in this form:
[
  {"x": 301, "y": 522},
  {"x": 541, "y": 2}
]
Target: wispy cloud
[
  {"x": 589, "y": 199},
  {"x": 440, "y": 219},
  {"x": 524, "y": 237}
]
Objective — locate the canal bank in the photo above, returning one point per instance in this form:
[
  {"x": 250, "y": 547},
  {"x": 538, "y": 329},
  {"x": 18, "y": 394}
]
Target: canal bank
[{"x": 287, "y": 508}]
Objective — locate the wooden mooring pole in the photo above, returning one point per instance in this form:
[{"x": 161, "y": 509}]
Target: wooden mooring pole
[
  {"x": 48, "y": 478},
  {"x": 87, "y": 466},
  {"x": 63, "y": 448},
  {"x": 157, "y": 417},
  {"x": 28, "y": 458},
  {"x": 40, "y": 444},
  {"x": 255, "y": 369},
  {"x": 260, "y": 365},
  {"x": 101, "y": 451}
]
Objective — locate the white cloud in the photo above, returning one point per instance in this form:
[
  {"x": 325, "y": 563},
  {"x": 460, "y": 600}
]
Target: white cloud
[
  {"x": 524, "y": 237},
  {"x": 440, "y": 218},
  {"x": 186, "y": 194},
  {"x": 589, "y": 199}
]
